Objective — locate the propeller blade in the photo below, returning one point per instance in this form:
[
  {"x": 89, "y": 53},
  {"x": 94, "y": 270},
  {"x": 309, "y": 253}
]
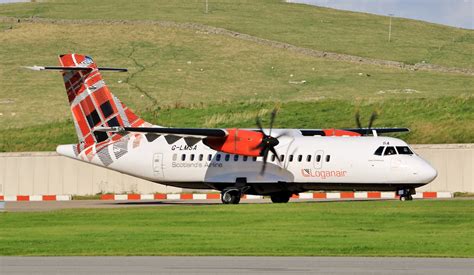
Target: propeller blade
[
  {"x": 284, "y": 134},
  {"x": 357, "y": 119},
  {"x": 264, "y": 166},
  {"x": 274, "y": 152},
  {"x": 373, "y": 117},
  {"x": 261, "y": 145},
  {"x": 259, "y": 125},
  {"x": 272, "y": 120}
]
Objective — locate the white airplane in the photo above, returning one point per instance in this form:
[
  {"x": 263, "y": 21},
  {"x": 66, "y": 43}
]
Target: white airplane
[{"x": 273, "y": 162}]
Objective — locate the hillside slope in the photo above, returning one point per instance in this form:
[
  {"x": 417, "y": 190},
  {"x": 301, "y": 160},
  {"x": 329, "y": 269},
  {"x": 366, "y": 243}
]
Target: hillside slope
[{"x": 302, "y": 25}]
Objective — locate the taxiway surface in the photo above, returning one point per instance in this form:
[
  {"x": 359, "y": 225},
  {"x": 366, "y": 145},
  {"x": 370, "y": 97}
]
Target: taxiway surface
[
  {"x": 31, "y": 206},
  {"x": 233, "y": 265}
]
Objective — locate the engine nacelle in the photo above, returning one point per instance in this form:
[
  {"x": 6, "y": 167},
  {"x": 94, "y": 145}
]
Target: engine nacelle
[
  {"x": 238, "y": 142},
  {"x": 340, "y": 133}
]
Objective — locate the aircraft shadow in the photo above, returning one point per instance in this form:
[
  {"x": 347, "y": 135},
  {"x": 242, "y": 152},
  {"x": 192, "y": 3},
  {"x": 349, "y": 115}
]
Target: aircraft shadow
[{"x": 202, "y": 203}]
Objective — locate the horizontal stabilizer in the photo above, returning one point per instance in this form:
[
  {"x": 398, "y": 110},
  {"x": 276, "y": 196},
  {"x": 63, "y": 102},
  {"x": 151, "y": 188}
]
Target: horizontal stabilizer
[{"x": 65, "y": 69}]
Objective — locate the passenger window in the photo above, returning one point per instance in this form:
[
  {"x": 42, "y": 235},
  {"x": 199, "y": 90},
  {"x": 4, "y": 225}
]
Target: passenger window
[
  {"x": 192, "y": 157},
  {"x": 379, "y": 151},
  {"x": 390, "y": 150},
  {"x": 236, "y": 157},
  {"x": 183, "y": 157},
  {"x": 218, "y": 157},
  {"x": 318, "y": 158},
  {"x": 254, "y": 158},
  {"x": 300, "y": 158},
  {"x": 282, "y": 158},
  {"x": 245, "y": 158},
  {"x": 227, "y": 157},
  {"x": 308, "y": 158},
  {"x": 209, "y": 157},
  {"x": 175, "y": 157},
  {"x": 201, "y": 157},
  {"x": 328, "y": 158},
  {"x": 291, "y": 158},
  {"x": 273, "y": 158},
  {"x": 404, "y": 150}
]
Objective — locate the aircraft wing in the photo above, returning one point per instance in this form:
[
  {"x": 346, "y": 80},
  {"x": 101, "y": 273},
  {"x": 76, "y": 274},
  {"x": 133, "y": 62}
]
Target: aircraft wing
[
  {"x": 183, "y": 132},
  {"x": 361, "y": 131},
  {"x": 220, "y": 133}
]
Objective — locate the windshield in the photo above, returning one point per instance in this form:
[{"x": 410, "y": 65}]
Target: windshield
[
  {"x": 390, "y": 150},
  {"x": 379, "y": 151},
  {"x": 404, "y": 150}
]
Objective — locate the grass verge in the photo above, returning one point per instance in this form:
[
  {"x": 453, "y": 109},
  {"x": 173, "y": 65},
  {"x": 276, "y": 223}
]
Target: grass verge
[
  {"x": 463, "y": 195},
  {"x": 371, "y": 228}
]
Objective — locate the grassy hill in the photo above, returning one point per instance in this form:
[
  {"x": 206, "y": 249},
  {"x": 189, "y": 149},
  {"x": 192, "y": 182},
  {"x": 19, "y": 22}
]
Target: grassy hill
[
  {"x": 302, "y": 25},
  {"x": 185, "y": 77}
]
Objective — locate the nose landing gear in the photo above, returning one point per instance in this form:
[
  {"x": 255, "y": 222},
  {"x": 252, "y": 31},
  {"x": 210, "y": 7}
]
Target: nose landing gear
[{"x": 406, "y": 194}]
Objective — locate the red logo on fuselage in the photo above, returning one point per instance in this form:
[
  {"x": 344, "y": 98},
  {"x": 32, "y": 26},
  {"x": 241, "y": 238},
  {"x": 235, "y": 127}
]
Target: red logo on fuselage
[{"x": 308, "y": 173}]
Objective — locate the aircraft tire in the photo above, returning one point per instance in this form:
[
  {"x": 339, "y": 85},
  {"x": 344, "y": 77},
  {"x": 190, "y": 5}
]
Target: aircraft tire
[
  {"x": 406, "y": 198},
  {"x": 280, "y": 198},
  {"x": 230, "y": 197}
]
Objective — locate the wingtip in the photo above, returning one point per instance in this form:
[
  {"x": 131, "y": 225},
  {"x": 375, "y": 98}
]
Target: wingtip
[{"x": 34, "y": 68}]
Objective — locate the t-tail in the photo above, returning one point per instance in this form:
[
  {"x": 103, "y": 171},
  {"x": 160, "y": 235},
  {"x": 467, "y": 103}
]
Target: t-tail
[{"x": 92, "y": 104}]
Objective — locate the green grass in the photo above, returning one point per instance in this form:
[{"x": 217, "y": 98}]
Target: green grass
[
  {"x": 380, "y": 228},
  {"x": 430, "y": 120},
  {"x": 302, "y": 25}
]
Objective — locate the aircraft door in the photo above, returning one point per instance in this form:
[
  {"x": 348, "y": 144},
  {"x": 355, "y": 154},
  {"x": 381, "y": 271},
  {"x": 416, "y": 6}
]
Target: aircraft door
[
  {"x": 318, "y": 159},
  {"x": 158, "y": 165}
]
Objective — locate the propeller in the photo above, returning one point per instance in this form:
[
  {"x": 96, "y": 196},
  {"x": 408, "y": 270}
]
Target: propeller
[
  {"x": 373, "y": 117},
  {"x": 268, "y": 143}
]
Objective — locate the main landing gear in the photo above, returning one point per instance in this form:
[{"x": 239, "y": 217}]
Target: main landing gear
[
  {"x": 280, "y": 197},
  {"x": 231, "y": 196},
  {"x": 406, "y": 194}
]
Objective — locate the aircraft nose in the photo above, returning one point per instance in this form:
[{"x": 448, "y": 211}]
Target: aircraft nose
[{"x": 427, "y": 172}]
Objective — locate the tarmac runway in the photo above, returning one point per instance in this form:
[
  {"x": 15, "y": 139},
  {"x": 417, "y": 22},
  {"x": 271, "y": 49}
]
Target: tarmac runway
[
  {"x": 21, "y": 206},
  {"x": 233, "y": 265}
]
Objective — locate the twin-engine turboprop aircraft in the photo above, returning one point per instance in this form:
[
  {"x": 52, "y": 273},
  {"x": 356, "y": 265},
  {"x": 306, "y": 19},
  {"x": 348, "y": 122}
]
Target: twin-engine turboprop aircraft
[{"x": 274, "y": 162}]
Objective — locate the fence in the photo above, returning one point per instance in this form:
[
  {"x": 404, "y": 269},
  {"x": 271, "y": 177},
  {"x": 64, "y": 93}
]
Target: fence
[{"x": 47, "y": 173}]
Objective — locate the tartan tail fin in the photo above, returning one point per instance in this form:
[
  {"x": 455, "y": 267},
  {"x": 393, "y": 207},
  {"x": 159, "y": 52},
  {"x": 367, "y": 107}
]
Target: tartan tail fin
[{"x": 92, "y": 103}]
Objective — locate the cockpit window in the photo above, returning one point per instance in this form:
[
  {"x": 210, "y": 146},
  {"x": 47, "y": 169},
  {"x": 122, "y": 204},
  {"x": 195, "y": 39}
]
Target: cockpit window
[
  {"x": 404, "y": 150},
  {"x": 390, "y": 151},
  {"x": 379, "y": 151}
]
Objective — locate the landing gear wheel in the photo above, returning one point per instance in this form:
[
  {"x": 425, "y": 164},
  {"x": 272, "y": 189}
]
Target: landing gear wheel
[
  {"x": 280, "y": 197},
  {"x": 406, "y": 194},
  {"x": 230, "y": 197},
  {"x": 406, "y": 197}
]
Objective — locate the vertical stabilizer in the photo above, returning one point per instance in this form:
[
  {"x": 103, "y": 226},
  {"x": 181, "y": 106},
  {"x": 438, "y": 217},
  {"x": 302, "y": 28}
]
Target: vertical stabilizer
[{"x": 92, "y": 103}]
